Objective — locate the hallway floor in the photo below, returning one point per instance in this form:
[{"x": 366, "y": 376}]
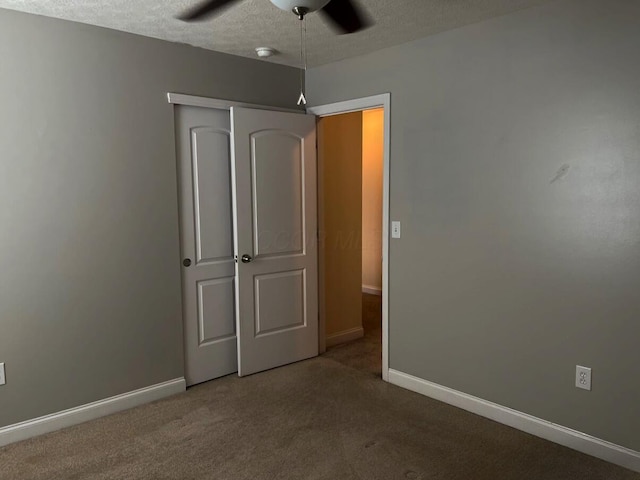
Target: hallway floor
[{"x": 366, "y": 353}]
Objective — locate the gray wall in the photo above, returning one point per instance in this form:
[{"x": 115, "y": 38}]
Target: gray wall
[
  {"x": 504, "y": 280},
  {"x": 90, "y": 302}
]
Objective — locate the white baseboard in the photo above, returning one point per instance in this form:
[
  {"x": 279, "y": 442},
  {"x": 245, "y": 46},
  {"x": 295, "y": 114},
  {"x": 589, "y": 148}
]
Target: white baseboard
[
  {"x": 371, "y": 290},
  {"x": 521, "y": 421},
  {"x": 90, "y": 411},
  {"x": 345, "y": 336}
]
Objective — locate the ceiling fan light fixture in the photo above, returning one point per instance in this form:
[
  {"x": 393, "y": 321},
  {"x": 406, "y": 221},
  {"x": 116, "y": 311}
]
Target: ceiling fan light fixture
[
  {"x": 309, "y": 5},
  {"x": 345, "y": 15}
]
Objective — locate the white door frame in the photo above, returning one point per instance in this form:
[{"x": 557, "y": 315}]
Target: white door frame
[{"x": 367, "y": 103}]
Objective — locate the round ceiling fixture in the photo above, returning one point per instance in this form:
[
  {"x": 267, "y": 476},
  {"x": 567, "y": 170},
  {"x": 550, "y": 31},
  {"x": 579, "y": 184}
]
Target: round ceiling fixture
[
  {"x": 265, "y": 52},
  {"x": 309, "y": 5}
]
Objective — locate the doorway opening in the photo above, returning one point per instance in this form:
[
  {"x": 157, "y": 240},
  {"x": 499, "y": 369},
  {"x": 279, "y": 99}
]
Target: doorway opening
[{"x": 351, "y": 180}]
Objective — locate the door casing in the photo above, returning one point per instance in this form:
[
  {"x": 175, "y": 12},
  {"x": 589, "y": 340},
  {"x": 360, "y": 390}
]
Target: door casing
[{"x": 348, "y": 106}]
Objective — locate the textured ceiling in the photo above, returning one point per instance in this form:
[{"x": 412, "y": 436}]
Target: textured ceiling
[{"x": 253, "y": 23}]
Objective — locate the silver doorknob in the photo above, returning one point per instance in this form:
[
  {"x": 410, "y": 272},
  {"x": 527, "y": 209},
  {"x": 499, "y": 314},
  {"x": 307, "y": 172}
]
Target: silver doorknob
[{"x": 246, "y": 258}]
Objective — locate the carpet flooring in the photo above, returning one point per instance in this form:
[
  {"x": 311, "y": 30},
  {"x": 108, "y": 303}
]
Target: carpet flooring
[{"x": 327, "y": 418}]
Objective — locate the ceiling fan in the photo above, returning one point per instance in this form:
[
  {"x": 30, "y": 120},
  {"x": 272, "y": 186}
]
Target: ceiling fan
[{"x": 343, "y": 14}]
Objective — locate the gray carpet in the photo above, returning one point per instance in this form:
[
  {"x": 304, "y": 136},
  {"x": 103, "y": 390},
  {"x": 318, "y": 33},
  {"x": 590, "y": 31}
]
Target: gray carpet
[{"x": 325, "y": 418}]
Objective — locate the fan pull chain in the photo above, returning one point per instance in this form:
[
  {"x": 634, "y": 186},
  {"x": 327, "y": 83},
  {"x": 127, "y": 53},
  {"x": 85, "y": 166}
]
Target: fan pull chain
[{"x": 302, "y": 100}]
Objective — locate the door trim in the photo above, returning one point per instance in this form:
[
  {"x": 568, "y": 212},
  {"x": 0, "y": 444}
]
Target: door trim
[
  {"x": 348, "y": 106},
  {"x": 220, "y": 104}
]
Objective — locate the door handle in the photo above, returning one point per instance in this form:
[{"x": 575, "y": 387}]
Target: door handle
[
  {"x": 186, "y": 262},
  {"x": 246, "y": 258}
]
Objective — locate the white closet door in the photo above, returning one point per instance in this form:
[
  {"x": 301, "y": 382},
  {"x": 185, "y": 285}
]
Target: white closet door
[
  {"x": 206, "y": 227},
  {"x": 274, "y": 162}
]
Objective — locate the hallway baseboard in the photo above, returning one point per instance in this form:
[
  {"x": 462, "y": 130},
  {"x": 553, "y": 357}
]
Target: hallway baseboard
[
  {"x": 345, "y": 336},
  {"x": 371, "y": 290}
]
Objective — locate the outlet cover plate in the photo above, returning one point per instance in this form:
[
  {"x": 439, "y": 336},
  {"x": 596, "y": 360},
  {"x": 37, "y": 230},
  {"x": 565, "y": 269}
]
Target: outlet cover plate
[
  {"x": 583, "y": 377},
  {"x": 2, "y": 377},
  {"x": 396, "y": 231}
]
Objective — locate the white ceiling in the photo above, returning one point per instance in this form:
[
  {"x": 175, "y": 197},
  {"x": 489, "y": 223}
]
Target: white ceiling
[{"x": 254, "y": 23}]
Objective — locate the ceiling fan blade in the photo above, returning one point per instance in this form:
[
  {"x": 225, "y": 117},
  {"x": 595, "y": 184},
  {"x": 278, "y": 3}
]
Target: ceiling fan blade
[
  {"x": 346, "y": 16},
  {"x": 204, "y": 10}
]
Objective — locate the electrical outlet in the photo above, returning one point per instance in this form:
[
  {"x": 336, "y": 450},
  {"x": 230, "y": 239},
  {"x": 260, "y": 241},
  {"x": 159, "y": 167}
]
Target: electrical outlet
[
  {"x": 2, "y": 377},
  {"x": 583, "y": 377}
]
